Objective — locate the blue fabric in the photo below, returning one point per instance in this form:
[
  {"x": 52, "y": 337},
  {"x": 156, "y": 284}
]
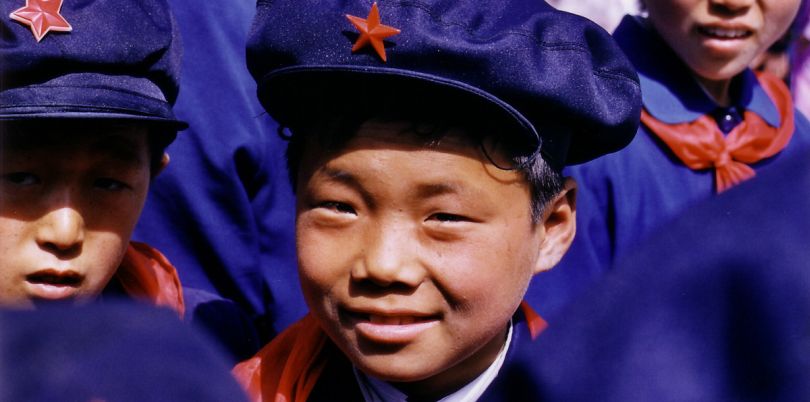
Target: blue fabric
[
  {"x": 338, "y": 383},
  {"x": 223, "y": 211},
  {"x": 108, "y": 352},
  {"x": 715, "y": 308},
  {"x": 551, "y": 78},
  {"x": 121, "y": 60},
  {"x": 625, "y": 196}
]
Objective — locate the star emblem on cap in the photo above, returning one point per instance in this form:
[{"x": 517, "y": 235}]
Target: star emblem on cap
[
  {"x": 42, "y": 16},
  {"x": 372, "y": 31}
]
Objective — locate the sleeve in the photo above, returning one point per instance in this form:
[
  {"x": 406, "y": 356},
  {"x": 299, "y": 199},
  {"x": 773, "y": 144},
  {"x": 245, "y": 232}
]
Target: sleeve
[{"x": 223, "y": 210}]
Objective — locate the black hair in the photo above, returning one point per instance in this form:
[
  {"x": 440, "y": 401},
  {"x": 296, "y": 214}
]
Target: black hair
[{"x": 333, "y": 130}]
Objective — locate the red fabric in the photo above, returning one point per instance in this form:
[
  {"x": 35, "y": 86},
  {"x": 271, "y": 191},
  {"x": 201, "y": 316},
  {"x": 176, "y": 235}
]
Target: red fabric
[
  {"x": 146, "y": 274},
  {"x": 286, "y": 369},
  {"x": 535, "y": 323},
  {"x": 701, "y": 145}
]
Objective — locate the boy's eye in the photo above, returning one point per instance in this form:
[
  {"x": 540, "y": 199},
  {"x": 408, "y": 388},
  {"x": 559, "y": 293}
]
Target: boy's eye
[
  {"x": 449, "y": 218},
  {"x": 337, "y": 207},
  {"x": 21, "y": 178},
  {"x": 106, "y": 183}
]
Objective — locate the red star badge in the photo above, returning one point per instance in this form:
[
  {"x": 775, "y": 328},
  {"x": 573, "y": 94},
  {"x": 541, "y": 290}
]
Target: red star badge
[
  {"x": 371, "y": 31},
  {"x": 42, "y": 16}
]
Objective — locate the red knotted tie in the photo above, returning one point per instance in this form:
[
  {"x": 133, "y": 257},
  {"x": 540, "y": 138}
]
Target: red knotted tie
[{"x": 701, "y": 145}]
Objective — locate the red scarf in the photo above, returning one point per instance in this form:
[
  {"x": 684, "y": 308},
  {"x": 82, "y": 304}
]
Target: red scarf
[
  {"x": 146, "y": 274},
  {"x": 701, "y": 145},
  {"x": 286, "y": 369}
]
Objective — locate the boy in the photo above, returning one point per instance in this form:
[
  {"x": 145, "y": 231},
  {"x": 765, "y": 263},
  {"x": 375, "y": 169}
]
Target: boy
[
  {"x": 709, "y": 122},
  {"x": 427, "y": 170},
  {"x": 85, "y": 114}
]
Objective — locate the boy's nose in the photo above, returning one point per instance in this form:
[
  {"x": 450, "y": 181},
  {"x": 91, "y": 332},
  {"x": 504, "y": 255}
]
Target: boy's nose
[
  {"x": 389, "y": 258},
  {"x": 61, "y": 231},
  {"x": 731, "y": 6}
]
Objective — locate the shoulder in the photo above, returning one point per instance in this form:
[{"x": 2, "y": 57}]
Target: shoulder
[{"x": 147, "y": 274}]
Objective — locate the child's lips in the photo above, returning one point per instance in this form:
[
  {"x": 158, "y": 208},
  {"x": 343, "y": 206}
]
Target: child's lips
[
  {"x": 725, "y": 33},
  {"x": 392, "y": 327},
  {"x": 725, "y": 40},
  {"x": 52, "y": 284}
]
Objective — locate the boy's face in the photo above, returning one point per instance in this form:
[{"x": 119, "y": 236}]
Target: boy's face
[
  {"x": 68, "y": 204},
  {"x": 718, "y": 39},
  {"x": 414, "y": 258}
]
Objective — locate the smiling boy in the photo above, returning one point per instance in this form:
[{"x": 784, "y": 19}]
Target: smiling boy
[
  {"x": 85, "y": 116},
  {"x": 427, "y": 170},
  {"x": 709, "y": 123}
]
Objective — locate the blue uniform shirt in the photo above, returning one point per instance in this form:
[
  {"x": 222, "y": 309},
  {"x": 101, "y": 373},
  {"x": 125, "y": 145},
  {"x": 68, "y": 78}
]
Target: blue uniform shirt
[{"x": 624, "y": 196}]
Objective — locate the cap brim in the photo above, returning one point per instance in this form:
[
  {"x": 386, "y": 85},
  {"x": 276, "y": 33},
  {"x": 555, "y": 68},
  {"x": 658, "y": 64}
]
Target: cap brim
[
  {"x": 170, "y": 124},
  {"x": 301, "y": 92}
]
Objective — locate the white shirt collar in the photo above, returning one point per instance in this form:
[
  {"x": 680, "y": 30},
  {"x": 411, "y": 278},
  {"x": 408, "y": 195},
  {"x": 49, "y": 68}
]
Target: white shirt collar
[{"x": 375, "y": 390}]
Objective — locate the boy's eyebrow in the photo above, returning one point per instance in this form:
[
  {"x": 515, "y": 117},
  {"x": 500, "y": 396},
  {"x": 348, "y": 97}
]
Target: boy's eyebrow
[
  {"x": 436, "y": 189},
  {"x": 348, "y": 179}
]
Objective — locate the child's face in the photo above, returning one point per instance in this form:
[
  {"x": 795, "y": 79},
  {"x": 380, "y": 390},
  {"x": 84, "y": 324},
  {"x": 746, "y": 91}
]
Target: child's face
[
  {"x": 718, "y": 39},
  {"x": 68, "y": 204},
  {"x": 414, "y": 258}
]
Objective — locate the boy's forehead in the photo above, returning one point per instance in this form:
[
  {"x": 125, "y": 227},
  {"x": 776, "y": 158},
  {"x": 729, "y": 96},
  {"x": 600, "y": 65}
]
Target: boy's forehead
[{"x": 391, "y": 148}]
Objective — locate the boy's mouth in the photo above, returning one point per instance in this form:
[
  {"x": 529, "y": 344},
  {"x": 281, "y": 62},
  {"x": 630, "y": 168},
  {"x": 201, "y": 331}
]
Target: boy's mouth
[
  {"x": 391, "y": 327},
  {"x": 53, "y": 284},
  {"x": 391, "y": 320},
  {"x": 724, "y": 33}
]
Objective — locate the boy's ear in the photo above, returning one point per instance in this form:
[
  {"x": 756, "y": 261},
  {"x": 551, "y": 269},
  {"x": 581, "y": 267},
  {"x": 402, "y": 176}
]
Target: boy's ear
[
  {"x": 558, "y": 224},
  {"x": 164, "y": 161}
]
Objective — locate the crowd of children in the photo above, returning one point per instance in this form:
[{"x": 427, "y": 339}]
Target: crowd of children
[{"x": 443, "y": 156}]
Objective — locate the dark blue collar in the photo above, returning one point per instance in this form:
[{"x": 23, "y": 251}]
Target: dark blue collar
[{"x": 669, "y": 90}]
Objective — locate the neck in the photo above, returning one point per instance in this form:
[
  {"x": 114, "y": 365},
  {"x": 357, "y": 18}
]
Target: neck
[{"x": 718, "y": 90}]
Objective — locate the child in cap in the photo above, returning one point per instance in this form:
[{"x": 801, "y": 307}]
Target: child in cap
[
  {"x": 85, "y": 116},
  {"x": 709, "y": 123},
  {"x": 426, "y": 146}
]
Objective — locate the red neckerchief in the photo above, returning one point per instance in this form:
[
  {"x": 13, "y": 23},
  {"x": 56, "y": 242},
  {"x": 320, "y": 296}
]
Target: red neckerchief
[
  {"x": 287, "y": 368},
  {"x": 701, "y": 145},
  {"x": 146, "y": 274}
]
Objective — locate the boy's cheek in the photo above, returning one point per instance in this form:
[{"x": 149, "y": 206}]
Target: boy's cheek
[
  {"x": 100, "y": 257},
  {"x": 105, "y": 252}
]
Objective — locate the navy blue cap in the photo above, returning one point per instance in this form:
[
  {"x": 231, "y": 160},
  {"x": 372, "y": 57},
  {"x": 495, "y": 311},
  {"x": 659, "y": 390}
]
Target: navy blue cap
[
  {"x": 111, "y": 351},
  {"x": 120, "y": 61},
  {"x": 559, "y": 79}
]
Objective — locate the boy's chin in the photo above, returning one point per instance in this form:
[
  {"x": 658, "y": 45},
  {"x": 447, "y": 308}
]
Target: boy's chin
[{"x": 394, "y": 364}]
